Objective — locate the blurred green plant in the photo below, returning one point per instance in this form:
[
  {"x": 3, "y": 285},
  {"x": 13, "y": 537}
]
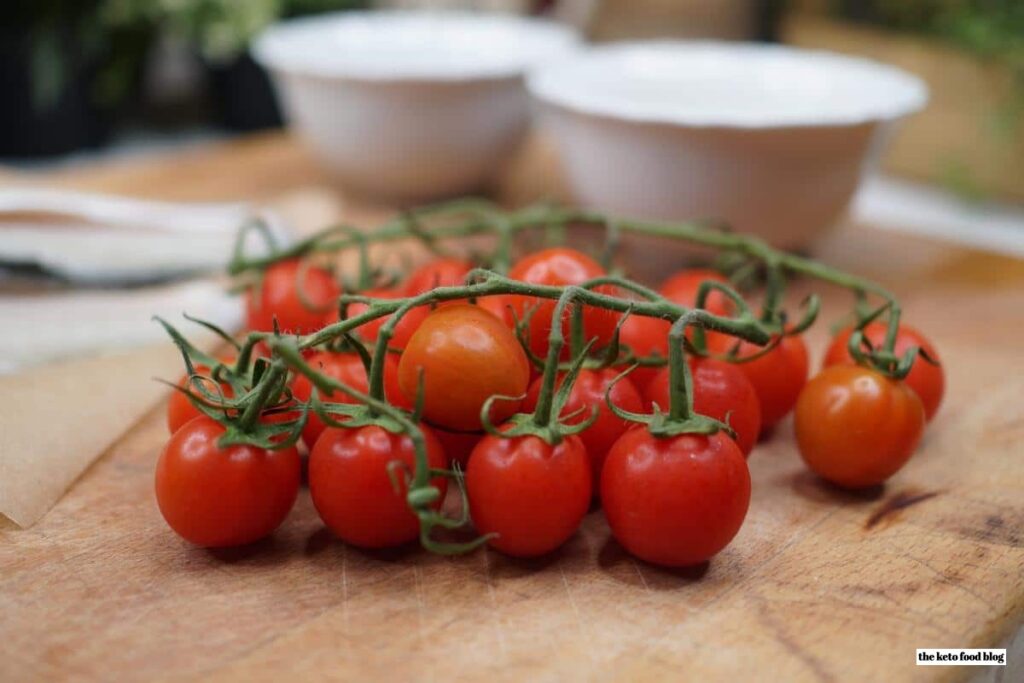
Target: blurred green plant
[
  {"x": 111, "y": 38},
  {"x": 219, "y": 29},
  {"x": 63, "y": 39},
  {"x": 989, "y": 29}
]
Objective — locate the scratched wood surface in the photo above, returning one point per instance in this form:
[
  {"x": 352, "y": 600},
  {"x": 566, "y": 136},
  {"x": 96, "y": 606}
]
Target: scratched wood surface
[{"x": 819, "y": 584}]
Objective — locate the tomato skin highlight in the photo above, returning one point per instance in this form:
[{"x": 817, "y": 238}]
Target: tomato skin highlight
[
  {"x": 588, "y": 392},
  {"x": 221, "y": 497},
  {"x": 928, "y": 381},
  {"x": 278, "y": 298},
  {"x": 532, "y": 494},
  {"x": 675, "y": 501},
  {"x": 443, "y": 272},
  {"x": 855, "y": 427},
  {"x": 720, "y": 391},
  {"x": 403, "y": 331},
  {"x": 466, "y": 356},
  {"x": 351, "y": 489},
  {"x": 777, "y": 377},
  {"x": 560, "y": 266},
  {"x": 348, "y": 369}
]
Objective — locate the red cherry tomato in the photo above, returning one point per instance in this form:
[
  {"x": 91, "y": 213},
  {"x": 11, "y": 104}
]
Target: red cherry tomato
[
  {"x": 458, "y": 445},
  {"x": 405, "y": 328},
  {"x": 587, "y": 393},
  {"x": 466, "y": 355},
  {"x": 928, "y": 381},
  {"x": 675, "y": 501},
  {"x": 443, "y": 272},
  {"x": 351, "y": 488},
  {"x": 560, "y": 266},
  {"x": 501, "y": 307},
  {"x": 218, "y": 497},
  {"x": 777, "y": 376},
  {"x": 347, "y": 368},
  {"x": 682, "y": 288},
  {"x": 279, "y": 298},
  {"x": 856, "y": 427},
  {"x": 180, "y": 409},
  {"x": 533, "y": 495},
  {"x": 720, "y": 391},
  {"x": 646, "y": 337}
]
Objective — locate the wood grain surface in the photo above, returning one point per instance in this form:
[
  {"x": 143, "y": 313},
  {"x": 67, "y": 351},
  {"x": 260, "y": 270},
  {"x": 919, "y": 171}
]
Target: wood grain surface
[{"x": 819, "y": 585}]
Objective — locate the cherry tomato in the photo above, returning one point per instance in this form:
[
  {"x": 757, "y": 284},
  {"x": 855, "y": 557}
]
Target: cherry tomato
[
  {"x": 443, "y": 272},
  {"x": 530, "y": 493},
  {"x": 347, "y": 368},
  {"x": 560, "y": 266},
  {"x": 458, "y": 445},
  {"x": 777, "y": 376},
  {"x": 928, "y": 381},
  {"x": 180, "y": 409},
  {"x": 587, "y": 393},
  {"x": 351, "y": 488},
  {"x": 466, "y": 355},
  {"x": 218, "y": 497},
  {"x": 501, "y": 307},
  {"x": 279, "y": 298},
  {"x": 675, "y": 501},
  {"x": 856, "y": 427},
  {"x": 682, "y": 289},
  {"x": 646, "y": 337},
  {"x": 720, "y": 391},
  {"x": 405, "y": 328}
]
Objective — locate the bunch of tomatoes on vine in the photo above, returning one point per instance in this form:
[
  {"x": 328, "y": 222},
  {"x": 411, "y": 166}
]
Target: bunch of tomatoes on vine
[{"x": 528, "y": 384}]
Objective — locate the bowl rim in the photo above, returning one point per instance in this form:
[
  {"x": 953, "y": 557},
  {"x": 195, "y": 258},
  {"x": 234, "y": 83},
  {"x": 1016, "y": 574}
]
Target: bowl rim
[
  {"x": 284, "y": 46},
  {"x": 552, "y": 85}
]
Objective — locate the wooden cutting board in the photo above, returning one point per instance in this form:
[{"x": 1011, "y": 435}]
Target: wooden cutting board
[{"x": 819, "y": 584}]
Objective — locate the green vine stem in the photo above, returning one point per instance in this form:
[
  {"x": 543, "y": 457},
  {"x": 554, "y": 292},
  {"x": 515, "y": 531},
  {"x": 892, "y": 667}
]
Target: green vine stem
[
  {"x": 470, "y": 217},
  {"x": 421, "y": 494}
]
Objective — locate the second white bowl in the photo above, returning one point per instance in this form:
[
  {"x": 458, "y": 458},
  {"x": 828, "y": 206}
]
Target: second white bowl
[
  {"x": 409, "y": 106},
  {"x": 770, "y": 139}
]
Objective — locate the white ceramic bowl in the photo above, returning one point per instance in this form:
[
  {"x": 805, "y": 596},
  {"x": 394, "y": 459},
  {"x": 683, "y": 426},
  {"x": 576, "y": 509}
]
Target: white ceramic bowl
[
  {"x": 409, "y": 106},
  {"x": 773, "y": 140}
]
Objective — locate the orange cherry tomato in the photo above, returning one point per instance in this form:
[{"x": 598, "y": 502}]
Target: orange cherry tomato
[
  {"x": 856, "y": 427},
  {"x": 465, "y": 355},
  {"x": 928, "y": 381},
  {"x": 278, "y": 298}
]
